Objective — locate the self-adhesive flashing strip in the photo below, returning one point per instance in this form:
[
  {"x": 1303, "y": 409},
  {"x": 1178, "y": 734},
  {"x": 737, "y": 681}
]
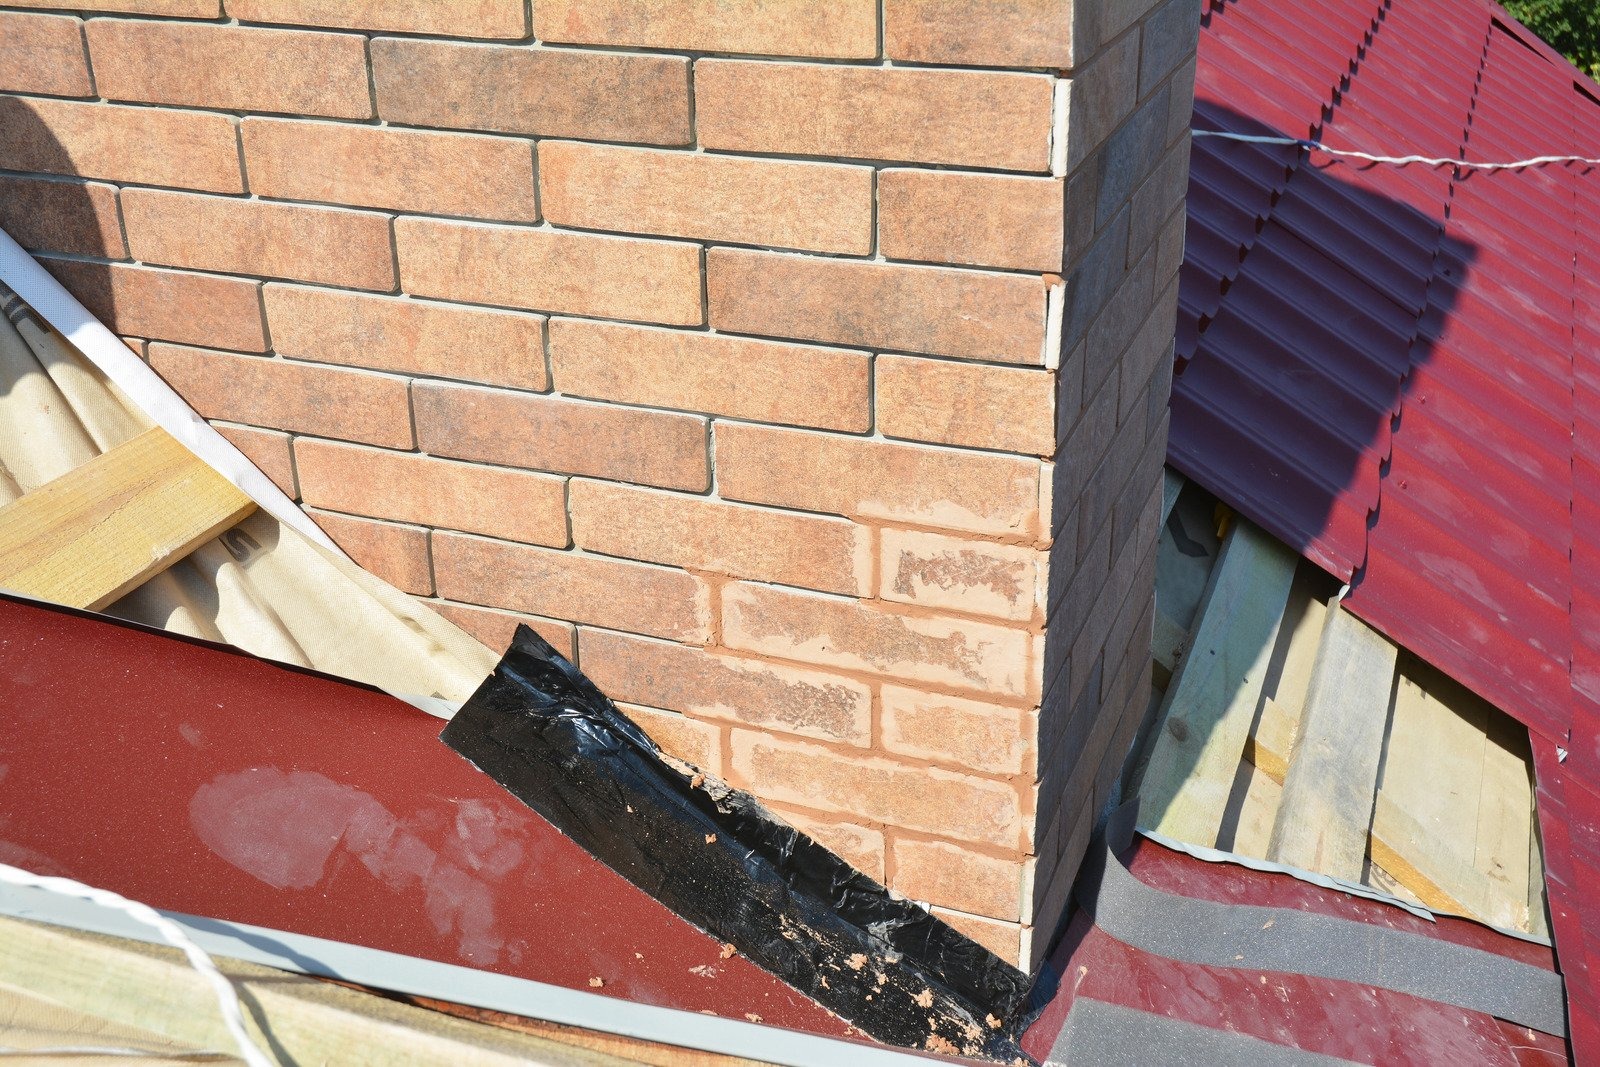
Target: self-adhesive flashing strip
[
  {"x": 1260, "y": 938},
  {"x": 720, "y": 861},
  {"x": 1110, "y": 1035},
  {"x": 392, "y": 971}
]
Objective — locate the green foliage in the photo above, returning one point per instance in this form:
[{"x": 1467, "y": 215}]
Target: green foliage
[{"x": 1572, "y": 27}]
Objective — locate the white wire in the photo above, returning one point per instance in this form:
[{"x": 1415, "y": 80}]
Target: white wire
[
  {"x": 1428, "y": 161},
  {"x": 227, "y": 998}
]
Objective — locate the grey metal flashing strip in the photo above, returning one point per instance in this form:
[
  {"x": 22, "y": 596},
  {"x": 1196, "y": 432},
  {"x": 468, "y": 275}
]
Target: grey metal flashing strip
[
  {"x": 519, "y": 996},
  {"x": 1110, "y": 1035},
  {"x": 1253, "y": 937}
]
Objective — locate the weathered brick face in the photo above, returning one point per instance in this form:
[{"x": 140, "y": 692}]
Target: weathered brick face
[{"x": 799, "y": 369}]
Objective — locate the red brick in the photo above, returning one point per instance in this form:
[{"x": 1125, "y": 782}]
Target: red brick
[
  {"x": 514, "y": 505},
  {"x": 946, "y": 312},
  {"x": 698, "y": 744},
  {"x": 984, "y": 220},
  {"x": 495, "y": 629},
  {"x": 195, "y": 9},
  {"x": 842, "y": 29},
  {"x": 313, "y": 244},
  {"x": 62, "y": 216},
  {"x": 980, "y": 33},
  {"x": 1007, "y": 408},
  {"x": 167, "y": 305},
  {"x": 567, "y": 436},
  {"x": 545, "y": 270},
  {"x": 938, "y": 872},
  {"x": 837, "y": 632},
  {"x": 967, "y": 733},
  {"x": 960, "y": 575},
  {"x": 408, "y": 336},
  {"x": 42, "y": 54},
  {"x": 860, "y": 847},
  {"x": 731, "y": 688},
  {"x": 231, "y": 67},
  {"x": 965, "y": 118},
  {"x": 900, "y": 794},
  {"x": 547, "y": 92},
  {"x": 151, "y": 146},
  {"x": 446, "y": 18},
  {"x": 878, "y": 479},
  {"x": 778, "y": 203},
  {"x": 402, "y": 170},
  {"x": 833, "y": 555},
  {"x": 1001, "y": 938},
  {"x": 397, "y": 554},
  {"x": 615, "y": 594},
  {"x": 746, "y": 379},
  {"x": 326, "y": 401},
  {"x": 269, "y": 451}
]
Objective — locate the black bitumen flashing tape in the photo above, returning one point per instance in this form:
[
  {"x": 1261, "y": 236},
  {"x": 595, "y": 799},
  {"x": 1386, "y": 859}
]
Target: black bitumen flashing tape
[
  {"x": 719, "y": 860},
  {"x": 1253, "y": 937}
]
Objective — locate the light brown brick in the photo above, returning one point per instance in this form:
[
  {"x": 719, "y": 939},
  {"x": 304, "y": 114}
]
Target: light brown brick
[
  {"x": 979, "y": 33},
  {"x": 938, "y": 872},
  {"x": 313, "y": 244},
  {"x": 946, "y": 312},
  {"x": 962, "y": 575},
  {"x": 61, "y": 216},
  {"x": 495, "y": 629},
  {"x": 567, "y": 436},
  {"x": 196, "y": 9},
  {"x": 984, "y": 220},
  {"x": 329, "y": 402},
  {"x": 833, "y": 555},
  {"x": 408, "y": 336},
  {"x": 878, "y": 479},
  {"x": 515, "y": 505},
  {"x": 845, "y": 633},
  {"x": 695, "y": 743},
  {"x": 730, "y": 688},
  {"x": 547, "y": 92},
  {"x": 231, "y": 67},
  {"x": 446, "y": 18},
  {"x": 859, "y": 846},
  {"x": 167, "y": 305},
  {"x": 269, "y": 451},
  {"x": 544, "y": 270},
  {"x": 842, "y": 29},
  {"x": 1001, "y": 938},
  {"x": 764, "y": 381},
  {"x": 965, "y": 118},
  {"x": 402, "y": 170},
  {"x": 778, "y": 203},
  {"x": 42, "y": 54},
  {"x": 1008, "y": 408},
  {"x": 152, "y": 146},
  {"x": 397, "y": 554},
  {"x": 900, "y": 794},
  {"x": 984, "y": 737},
  {"x": 615, "y": 594}
]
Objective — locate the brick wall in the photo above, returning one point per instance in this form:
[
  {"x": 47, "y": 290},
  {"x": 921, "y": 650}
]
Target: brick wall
[{"x": 798, "y": 369}]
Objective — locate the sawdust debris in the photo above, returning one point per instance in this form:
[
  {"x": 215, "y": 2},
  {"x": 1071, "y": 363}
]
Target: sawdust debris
[
  {"x": 924, "y": 999},
  {"x": 939, "y": 1044},
  {"x": 597, "y": 982},
  {"x": 752, "y": 1016},
  {"x": 728, "y": 951},
  {"x": 711, "y": 839},
  {"x": 857, "y": 961}
]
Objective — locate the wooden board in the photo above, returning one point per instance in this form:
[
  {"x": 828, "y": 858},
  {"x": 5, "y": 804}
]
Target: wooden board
[{"x": 110, "y": 525}]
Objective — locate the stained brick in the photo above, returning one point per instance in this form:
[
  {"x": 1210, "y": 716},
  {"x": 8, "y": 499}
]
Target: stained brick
[
  {"x": 966, "y": 118},
  {"x": 966, "y": 404},
  {"x": 233, "y": 67},
  {"x": 843, "y": 29},
  {"x": 985, "y": 220},
  {"x": 765, "y": 381},
  {"x": 329, "y": 402},
  {"x": 778, "y": 203},
  {"x": 397, "y": 554},
  {"x": 877, "y": 479},
  {"x": 314, "y": 244},
  {"x": 548, "y": 92},
  {"x": 855, "y": 636},
  {"x": 919, "y": 798},
  {"x": 61, "y": 216},
  {"x": 269, "y": 451},
  {"x": 544, "y": 270},
  {"x": 447, "y": 18},
  {"x": 167, "y": 305},
  {"x": 515, "y": 505},
  {"x": 495, "y": 629},
  {"x": 859, "y": 846},
  {"x": 569, "y": 436},
  {"x": 878, "y": 305},
  {"x": 615, "y": 594},
  {"x": 985, "y": 737},
  {"x": 734, "y": 539},
  {"x": 42, "y": 54},
  {"x": 730, "y": 688},
  {"x": 942, "y": 873},
  {"x": 408, "y": 336},
  {"x": 958, "y": 574},
  {"x": 1002, "y": 938},
  {"x": 980, "y": 33},
  {"x": 698, "y": 744},
  {"x": 402, "y": 170},
  {"x": 152, "y": 146}
]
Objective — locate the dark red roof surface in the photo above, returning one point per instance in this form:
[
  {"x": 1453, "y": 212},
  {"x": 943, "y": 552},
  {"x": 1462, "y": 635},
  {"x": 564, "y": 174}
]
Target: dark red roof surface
[{"x": 1396, "y": 369}]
